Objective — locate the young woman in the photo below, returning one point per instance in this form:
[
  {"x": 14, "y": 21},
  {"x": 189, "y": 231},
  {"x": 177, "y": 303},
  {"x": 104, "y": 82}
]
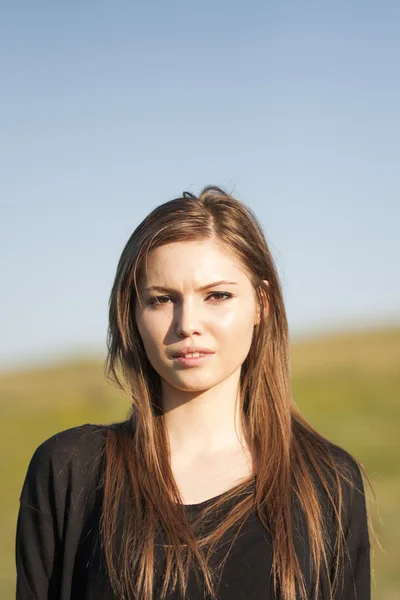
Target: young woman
[{"x": 215, "y": 486}]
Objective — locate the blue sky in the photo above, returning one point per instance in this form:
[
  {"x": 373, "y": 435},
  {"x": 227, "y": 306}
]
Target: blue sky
[{"x": 108, "y": 109}]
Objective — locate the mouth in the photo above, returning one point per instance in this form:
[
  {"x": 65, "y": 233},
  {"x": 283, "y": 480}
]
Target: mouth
[
  {"x": 191, "y": 355},
  {"x": 193, "y": 359},
  {"x": 192, "y": 352}
]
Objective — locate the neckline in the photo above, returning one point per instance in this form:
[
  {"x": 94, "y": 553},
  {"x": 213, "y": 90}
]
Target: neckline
[
  {"x": 204, "y": 502},
  {"x": 211, "y": 500}
]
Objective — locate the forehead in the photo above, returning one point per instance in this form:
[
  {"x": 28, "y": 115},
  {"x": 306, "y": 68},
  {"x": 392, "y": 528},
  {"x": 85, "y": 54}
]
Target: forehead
[{"x": 192, "y": 262}]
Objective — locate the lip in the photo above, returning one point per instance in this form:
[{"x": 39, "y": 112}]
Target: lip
[
  {"x": 191, "y": 350},
  {"x": 193, "y": 361}
]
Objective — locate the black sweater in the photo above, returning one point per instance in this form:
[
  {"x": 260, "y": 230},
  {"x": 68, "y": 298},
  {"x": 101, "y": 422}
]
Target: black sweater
[{"x": 59, "y": 556}]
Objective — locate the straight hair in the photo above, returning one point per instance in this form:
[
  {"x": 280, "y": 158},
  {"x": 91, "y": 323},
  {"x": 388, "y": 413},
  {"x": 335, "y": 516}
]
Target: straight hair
[{"x": 141, "y": 498}]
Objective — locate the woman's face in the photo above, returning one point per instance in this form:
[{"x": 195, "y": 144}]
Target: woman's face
[{"x": 189, "y": 309}]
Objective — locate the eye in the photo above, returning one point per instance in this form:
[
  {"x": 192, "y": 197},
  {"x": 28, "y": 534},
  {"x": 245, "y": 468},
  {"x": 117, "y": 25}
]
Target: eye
[
  {"x": 226, "y": 295},
  {"x": 157, "y": 300},
  {"x": 219, "y": 297}
]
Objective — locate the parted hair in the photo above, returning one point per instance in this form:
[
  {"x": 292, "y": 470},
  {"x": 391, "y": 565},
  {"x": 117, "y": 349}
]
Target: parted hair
[{"x": 292, "y": 460}]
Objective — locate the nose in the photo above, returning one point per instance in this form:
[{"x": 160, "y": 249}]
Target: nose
[{"x": 187, "y": 317}]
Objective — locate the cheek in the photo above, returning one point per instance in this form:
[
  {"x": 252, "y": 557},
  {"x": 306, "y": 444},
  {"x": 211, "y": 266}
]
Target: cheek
[
  {"x": 235, "y": 323},
  {"x": 233, "y": 341},
  {"x": 234, "y": 334},
  {"x": 151, "y": 331}
]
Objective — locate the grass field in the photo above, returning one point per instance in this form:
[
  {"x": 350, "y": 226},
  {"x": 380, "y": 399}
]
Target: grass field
[{"x": 347, "y": 386}]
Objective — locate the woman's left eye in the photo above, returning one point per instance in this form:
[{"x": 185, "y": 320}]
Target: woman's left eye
[
  {"x": 222, "y": 296},
  {"x": 225, "y": 294}
]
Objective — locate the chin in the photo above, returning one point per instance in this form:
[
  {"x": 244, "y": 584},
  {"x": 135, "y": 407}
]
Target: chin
[{"x": 193, "y": 383}]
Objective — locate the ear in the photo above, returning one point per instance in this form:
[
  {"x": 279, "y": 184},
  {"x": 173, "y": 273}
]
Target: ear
[{"x": 266, "y": 305}]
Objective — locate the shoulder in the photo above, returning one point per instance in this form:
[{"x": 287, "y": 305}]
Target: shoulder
[
  {"x": 347, "y": 484},
  {"x": 73, "y": 445},
  {"x": 349, "y": 470},
  {"x": 64, "y": 464},
  {"x": 333, "y": 464}
]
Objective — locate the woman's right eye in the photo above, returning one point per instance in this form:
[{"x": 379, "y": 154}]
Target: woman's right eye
[{"x": 158, "y": 300}]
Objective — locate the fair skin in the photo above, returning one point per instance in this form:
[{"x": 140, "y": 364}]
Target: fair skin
[{"x": 200, "y": 403}]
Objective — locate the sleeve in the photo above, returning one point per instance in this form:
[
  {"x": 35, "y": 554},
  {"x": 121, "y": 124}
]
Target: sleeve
[
  {"x": 355, "y": 577},
  {"x": 38, "y": 548}
]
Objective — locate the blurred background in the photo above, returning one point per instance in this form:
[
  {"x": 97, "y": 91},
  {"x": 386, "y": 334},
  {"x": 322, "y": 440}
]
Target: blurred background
[{"x": 109, "y": 109}]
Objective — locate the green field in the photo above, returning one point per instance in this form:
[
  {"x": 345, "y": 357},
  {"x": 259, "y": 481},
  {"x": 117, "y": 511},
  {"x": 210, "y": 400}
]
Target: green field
[{"x": 347, "y": 386}]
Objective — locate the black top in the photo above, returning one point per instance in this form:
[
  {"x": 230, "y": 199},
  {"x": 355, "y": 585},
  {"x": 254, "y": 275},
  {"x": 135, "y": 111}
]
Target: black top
[{"x": 59, "y": 557}]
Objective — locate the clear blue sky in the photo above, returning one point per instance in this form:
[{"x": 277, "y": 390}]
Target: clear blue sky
[{"x": 110, "y": 108}]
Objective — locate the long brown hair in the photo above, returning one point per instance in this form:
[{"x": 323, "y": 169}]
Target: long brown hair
[{"x": 141, "y": 499}]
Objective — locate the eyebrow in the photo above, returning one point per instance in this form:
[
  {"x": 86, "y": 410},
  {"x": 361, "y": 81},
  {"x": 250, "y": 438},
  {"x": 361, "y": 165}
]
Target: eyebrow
[{"x": 157, "y": 288}]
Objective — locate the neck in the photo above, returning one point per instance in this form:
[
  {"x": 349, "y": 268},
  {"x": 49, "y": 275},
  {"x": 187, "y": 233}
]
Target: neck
[{"x": 203, "y": 422}]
